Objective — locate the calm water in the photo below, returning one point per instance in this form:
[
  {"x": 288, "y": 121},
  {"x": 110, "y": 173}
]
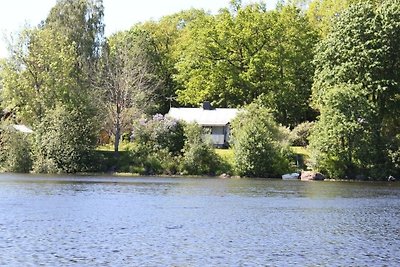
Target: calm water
[{"x": 105, "y": 221}]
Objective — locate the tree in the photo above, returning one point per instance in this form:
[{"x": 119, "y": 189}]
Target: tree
[
  {"x": 163, "y": 50},
  {"x": 81, "y": 22},
  {"x": 362, "y": 52},
  {"x": 242, "y": 53},
  {"x": 342, "y": 137},
  {"x": 323, "y": 13},
  {"x": 258, "y": 143},
  {"x": 48, "y": 74},
  {"x": 127, "y": 83},
  {"x": 39, "y": 74}
]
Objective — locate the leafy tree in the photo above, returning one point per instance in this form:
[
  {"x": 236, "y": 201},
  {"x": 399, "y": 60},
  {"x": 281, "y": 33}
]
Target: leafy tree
[
  {"x": 47, "y": 83},
  {"x": 81, "y": 22},
  {"x": 323, "y": 13},
  {"x": 242, "y": 53},
  {"x": 39, "y": 74},
  {"x": 258, "y": 143},
  {"x": 342, "y": 138},
  {"x": 163, "y": 50},
  {"x": 362, "y": 52}
]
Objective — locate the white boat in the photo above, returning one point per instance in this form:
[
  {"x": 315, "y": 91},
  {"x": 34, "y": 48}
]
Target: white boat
[{"x": 291, "y": 176}]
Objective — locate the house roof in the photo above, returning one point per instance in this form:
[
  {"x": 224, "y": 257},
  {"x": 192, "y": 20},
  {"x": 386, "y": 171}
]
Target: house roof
[{"x": 213, "y": 117}]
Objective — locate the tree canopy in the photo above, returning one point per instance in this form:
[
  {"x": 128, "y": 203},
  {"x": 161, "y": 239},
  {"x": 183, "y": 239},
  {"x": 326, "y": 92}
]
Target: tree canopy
[
  {"x": 234, "y": 57},
  {"x": 357, "y": 77}
]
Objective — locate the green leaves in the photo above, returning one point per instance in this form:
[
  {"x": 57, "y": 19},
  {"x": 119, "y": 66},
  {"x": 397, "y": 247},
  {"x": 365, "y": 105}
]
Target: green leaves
[
  {"x": 258, "y": 142},
  {"x": 234, "y": 57},
  {"x": 356, "y": 90}
]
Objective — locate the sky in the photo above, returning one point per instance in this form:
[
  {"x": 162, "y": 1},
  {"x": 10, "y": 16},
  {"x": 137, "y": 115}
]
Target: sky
[{"x": 118, "y": 15}]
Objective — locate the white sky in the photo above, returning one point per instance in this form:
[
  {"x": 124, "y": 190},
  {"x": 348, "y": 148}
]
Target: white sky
[{"x": 119, "y": 14}]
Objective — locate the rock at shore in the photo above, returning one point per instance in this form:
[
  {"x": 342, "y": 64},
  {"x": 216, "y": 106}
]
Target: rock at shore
[{"x": 311, "y": 176}]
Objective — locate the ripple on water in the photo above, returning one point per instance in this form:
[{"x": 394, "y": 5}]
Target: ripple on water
[{"x": 197, "y": 222}]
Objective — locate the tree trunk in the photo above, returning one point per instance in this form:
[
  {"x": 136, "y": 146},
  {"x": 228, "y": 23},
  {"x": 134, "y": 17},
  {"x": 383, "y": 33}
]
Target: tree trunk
[{"x": 117, "y": 132}]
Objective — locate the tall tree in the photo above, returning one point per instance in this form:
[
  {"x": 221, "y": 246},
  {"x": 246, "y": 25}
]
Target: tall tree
[
  {"x": 164, "y": 50},
  {"x": 363, "y": 51},
  {"x": 242, "y": 53},
  {"x": 127, "y": 83},
  {"x": 81, "y": 21},
  {"x": 323, "y": 13},
  {"x": 50, "y": 70},
  {"x": 39, "y": 74}
]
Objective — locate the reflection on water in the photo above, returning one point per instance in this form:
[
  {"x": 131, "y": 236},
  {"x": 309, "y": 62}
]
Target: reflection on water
[{"x": 105, "y": 221}]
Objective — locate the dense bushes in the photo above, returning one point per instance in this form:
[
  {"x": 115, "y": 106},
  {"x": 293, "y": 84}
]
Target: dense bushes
[
  {"x": 15, "y": 150},
  {"x": 199, "y": 156},
  {"x": 156, "y": 144},
  {"x": 300, "y": 134},
  {"x": 64, "y": 142},
  {"x": 164, "y": 146},
  {"x": 356, "y": 89},
  {"x": 260, "y": 150}
]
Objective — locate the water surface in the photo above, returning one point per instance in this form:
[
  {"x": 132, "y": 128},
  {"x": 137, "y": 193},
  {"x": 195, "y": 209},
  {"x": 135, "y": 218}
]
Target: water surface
[{"x": 108, "y": 221}]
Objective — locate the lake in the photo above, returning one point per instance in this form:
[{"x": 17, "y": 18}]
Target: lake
[{"x": 148, "y": 221}]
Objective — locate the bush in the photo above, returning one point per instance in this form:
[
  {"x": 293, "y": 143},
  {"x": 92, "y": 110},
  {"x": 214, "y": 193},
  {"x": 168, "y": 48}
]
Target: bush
[
  {"x": 259, "y": 144},
  {"x": 15, "y": 151},
  {"x": 300, "y": 134},
  {"x": 159, "y": 133},
  {"x": 199, "y": 157},
  {"x": 156, "y": 146},
  {"x": 65, "y": 141}
]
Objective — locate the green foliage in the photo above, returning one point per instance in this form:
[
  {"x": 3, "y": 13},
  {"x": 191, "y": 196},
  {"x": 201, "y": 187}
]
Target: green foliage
[
  {"x": 164, "y": 37},
  {"x": 342, "y": 137},
  {"x": 323, "y": 13},
  {"x": 35, "y": 79},
  {"x": 65, "y": 140},
  {"x": 259, "y": 144},
  {"x": 199, "y": 157},
  {"x": 159, "y": 133},
  {"x": 15, "y": 150},
  {"x": 236, "y": 56},
  {"x": 356, "y": 89},
  {"x": 300, "y": 134},
  {"x": 81, "y": 22},
  {"x": 157, "y": 145}
]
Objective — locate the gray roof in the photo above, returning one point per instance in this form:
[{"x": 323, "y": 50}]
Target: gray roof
[{"x": 214, "y": 117}]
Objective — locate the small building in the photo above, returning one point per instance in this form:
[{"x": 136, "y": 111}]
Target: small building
[{"x": 217, "y": 120}]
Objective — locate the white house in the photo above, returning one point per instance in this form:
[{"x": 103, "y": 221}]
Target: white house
[{"x": 217, "y": 120}]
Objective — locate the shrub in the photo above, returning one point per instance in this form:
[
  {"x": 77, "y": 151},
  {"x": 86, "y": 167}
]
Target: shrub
[
  {"x": 160, "y": 133},
  {"x": 156, "y": 146},
  {"x": 15, "y": 151},
  {"x": 199, "y": 157},
  {"x": 300, "y": 134},
  {"x": 259, "y": 144},
  {"x": 65, "y": 141}
]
